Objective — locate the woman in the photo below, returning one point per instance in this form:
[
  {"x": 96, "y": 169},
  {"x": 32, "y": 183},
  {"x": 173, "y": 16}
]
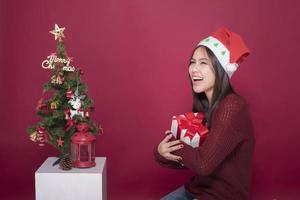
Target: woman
[{"x": 222, "y": 164}]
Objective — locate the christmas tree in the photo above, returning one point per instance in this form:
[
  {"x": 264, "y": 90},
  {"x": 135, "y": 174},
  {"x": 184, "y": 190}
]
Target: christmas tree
[{"x": 68, "y": 104}]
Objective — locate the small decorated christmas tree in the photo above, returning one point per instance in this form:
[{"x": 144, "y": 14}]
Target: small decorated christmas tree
[{"x": 67, "y": 104}]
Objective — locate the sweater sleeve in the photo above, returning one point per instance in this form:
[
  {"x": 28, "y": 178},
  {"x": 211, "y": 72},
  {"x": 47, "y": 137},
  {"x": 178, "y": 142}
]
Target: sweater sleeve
[{"x": 224, "y": 137}]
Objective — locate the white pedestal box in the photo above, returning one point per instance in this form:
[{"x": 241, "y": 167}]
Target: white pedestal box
[{"x": 52, "y": 183}]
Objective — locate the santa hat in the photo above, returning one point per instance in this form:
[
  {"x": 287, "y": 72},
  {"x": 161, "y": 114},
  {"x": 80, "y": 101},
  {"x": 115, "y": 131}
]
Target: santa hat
[{"x": 228, "y": 47}]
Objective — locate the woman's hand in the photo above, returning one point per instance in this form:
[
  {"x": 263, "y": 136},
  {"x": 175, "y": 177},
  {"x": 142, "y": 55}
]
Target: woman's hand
[{"x": 165, "y": 147}]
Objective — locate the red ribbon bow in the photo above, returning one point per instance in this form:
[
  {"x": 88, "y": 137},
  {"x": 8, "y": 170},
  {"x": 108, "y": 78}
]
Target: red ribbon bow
[{"x": 193, "y": 124}]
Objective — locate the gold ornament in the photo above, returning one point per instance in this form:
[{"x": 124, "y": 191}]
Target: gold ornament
[
  {"x": 58, "y": 32},
  {"x": 34, "y": 136},
  {"x": 57, "y": 78},
  {"x": 54, "y": 105}
]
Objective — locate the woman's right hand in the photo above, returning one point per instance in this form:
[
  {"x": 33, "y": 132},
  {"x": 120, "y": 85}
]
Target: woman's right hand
[{"x": 166, "y": 146}]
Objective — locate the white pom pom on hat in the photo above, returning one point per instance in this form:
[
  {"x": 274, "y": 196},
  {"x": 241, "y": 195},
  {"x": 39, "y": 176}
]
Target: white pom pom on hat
[{"x": 228, "y": 47}]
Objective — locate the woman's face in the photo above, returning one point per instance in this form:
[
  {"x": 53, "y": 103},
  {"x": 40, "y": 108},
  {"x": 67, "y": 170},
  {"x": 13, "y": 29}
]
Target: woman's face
[{"x": 202, "y": 72}]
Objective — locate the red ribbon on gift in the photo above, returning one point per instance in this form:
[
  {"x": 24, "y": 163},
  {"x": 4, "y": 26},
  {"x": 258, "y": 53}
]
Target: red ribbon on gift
[{"x": 193, "y": 124}]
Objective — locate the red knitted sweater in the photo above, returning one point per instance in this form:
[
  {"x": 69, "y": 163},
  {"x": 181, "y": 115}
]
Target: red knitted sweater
[{"x": 222, "y": 164}]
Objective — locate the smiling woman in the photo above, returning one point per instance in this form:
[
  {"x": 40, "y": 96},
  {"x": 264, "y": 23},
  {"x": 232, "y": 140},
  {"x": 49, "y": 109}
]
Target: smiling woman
[
  {"x": 208, "y": 92},
  {"x": 222, "y": 164},
  {"x": 201, "y": 66}
]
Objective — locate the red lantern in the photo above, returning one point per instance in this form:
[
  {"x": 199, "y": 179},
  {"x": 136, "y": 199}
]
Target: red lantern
[{"x": 83, "y": 147}]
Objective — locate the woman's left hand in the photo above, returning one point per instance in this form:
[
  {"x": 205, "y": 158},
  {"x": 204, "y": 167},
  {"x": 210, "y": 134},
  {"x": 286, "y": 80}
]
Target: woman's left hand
[{"x": 166, "y": 146}]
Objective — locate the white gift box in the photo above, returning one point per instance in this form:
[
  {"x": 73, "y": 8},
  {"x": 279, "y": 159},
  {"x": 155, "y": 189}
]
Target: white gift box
[{"x": 191, "y": 120}]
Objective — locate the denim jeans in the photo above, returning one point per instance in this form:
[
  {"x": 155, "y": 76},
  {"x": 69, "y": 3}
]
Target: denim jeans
[{"x": 179, "y": 194}]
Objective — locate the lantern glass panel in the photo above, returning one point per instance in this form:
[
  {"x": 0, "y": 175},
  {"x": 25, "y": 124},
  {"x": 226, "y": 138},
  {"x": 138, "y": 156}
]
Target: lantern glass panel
[
  {"x": 84, "y": 153},
  {"x": 93, "y": 152},
  {"x": 74, "y": 151}
]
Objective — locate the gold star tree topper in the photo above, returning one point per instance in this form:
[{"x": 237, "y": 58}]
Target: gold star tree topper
[{"x": 58, "y": 32}]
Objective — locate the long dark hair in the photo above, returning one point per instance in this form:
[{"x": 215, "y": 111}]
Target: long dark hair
[{"x": 222, "y": 88}]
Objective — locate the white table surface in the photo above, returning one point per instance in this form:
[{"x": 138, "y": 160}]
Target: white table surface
[{"x": 47, "y": 167}]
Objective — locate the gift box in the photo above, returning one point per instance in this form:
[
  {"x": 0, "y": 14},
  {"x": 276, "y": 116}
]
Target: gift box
[{"x": 189, "y": 128}]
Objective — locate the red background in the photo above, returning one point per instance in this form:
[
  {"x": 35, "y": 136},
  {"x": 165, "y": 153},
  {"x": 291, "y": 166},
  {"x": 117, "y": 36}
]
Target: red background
[{"x": 135, "y": 54}]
